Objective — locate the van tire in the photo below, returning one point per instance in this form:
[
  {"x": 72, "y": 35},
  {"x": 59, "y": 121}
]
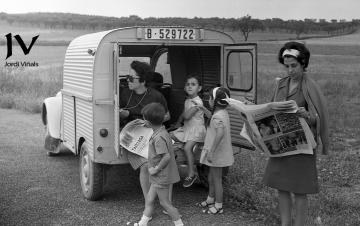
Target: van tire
[{"x": 91, "y": 175}]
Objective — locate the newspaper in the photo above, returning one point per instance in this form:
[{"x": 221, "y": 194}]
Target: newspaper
[
  {"x": 277, "y": 133},
  {"x": 135, "y": 137}
]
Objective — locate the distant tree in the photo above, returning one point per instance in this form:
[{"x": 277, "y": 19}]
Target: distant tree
[
  {"x": 247, "y": 25},
  {"x": 298, "y": 27}
]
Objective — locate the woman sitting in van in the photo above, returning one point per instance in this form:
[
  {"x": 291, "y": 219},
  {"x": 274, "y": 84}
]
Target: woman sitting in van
[{"x": 132, "y": 100}]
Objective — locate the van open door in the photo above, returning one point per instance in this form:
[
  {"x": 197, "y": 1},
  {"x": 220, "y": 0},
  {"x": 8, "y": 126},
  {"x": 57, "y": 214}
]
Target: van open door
[
  {"x": 116, "y": 83},
  {"x": 240, "y": 74}
]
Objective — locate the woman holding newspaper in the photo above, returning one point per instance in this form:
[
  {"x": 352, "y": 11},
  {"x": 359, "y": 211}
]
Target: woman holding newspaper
[{"x": 297, "y": 174}]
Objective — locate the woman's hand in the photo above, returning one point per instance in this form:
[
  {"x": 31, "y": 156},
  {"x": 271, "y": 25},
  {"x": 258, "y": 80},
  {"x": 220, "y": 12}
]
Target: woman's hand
[
  {"x": 301, "y": 112},
  {"x": 283, "y": 106},
  {"x": 124, "y": 113}
]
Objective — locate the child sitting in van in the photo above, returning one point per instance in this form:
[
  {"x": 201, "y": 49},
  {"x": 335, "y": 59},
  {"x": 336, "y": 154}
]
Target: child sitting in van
[
  {"x": 193, "y": 130},
  {"x": 162, "y": 166}
]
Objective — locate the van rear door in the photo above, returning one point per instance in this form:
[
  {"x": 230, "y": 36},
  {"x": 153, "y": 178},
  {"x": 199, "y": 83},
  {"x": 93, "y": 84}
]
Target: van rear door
[{"x": 240, "y": 76}]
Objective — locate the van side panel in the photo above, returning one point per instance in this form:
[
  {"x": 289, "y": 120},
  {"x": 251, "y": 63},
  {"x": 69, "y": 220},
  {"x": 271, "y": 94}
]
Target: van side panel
[
  {"x": 84, "y": 123},
  {"x": 69, "y": 122},
  {"x": 78, "y": 91}
]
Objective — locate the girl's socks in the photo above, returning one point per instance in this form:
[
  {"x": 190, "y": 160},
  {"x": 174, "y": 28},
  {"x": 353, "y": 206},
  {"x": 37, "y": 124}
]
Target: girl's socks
[
  {"x": 210, "y": 199},
  {"x": 179, "y": 222},
  {"x": 218, "y": 205}
]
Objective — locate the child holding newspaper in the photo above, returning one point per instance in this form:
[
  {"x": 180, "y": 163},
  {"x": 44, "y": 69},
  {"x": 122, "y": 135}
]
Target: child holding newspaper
[
  {"x": 217, "y": 152},
  {"x": 193, "y": 129},
  {"x": 162, "y": 166}
]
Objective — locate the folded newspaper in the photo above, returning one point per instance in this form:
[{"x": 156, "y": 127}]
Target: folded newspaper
[
  {"x": 135, "y": 137},
  {"x": 275, "y": 132}
]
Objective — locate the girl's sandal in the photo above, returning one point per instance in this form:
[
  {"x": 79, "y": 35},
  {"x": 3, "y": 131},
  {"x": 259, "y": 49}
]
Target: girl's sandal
[
  {"x": 204, "y": 204},
  {"x": 213, "y": 210}
]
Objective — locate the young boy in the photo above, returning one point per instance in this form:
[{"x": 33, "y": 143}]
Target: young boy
[{"x": 162, "y": 166}]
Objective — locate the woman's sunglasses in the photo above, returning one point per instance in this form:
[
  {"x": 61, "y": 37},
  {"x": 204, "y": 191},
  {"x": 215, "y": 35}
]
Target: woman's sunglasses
[{"x": 131, "y": 78}]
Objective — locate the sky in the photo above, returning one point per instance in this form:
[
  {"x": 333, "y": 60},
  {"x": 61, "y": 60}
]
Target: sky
[{"x": 260, "y": 9}]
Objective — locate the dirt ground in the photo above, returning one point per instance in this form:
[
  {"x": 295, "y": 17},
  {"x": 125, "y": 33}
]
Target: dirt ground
[{"x": 39, "y": 190}]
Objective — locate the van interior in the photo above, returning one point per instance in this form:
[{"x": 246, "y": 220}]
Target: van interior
[{"x": 174, "y": 63}]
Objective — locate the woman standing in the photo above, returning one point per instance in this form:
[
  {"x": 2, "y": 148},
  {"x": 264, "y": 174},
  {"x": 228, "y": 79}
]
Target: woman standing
[{"x": 297, "y": 174}]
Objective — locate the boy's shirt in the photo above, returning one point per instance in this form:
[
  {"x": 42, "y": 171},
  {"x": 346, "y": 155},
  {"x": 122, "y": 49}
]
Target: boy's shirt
[{"x": 160, "y": 143}]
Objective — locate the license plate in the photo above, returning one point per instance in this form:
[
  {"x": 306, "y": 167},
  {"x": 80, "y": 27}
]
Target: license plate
[{"x": 170, "y": 33}]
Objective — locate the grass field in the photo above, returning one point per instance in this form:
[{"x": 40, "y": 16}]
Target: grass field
[{"x": 335, "y": 65}]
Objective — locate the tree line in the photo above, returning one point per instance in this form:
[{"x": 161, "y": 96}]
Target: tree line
[{"x": 245, "y": 24}]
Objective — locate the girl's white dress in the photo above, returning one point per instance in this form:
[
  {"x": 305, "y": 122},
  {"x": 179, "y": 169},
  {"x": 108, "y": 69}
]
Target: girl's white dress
[
  {"x": 223, "y": 155},
  {"x": 193, "y": 128}
]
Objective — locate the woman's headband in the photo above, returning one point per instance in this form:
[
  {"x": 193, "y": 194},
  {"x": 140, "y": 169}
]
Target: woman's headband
[{"x": 291, "y": 52}]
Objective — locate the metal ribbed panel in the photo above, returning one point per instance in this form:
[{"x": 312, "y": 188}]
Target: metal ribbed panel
[
  {"x": 78, "y": 69},
  {"x": 79, "y": 64},
  {"x": 69, "y": 123},
  {"x": 84, "y": 123}
]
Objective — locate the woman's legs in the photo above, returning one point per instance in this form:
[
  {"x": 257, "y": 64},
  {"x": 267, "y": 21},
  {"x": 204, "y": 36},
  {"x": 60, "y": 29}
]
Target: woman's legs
[
  {"x": 285, "y": 207},
  {"x": 300, "y": 209},
  {"x": 144, "y": 179}
]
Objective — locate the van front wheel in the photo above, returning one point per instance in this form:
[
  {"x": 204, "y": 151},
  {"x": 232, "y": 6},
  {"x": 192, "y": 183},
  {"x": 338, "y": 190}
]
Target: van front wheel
[{"x": 91, "y": 175}]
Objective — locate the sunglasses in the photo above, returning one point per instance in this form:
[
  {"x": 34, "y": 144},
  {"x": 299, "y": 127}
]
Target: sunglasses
[{"x": 131, "y": 78}]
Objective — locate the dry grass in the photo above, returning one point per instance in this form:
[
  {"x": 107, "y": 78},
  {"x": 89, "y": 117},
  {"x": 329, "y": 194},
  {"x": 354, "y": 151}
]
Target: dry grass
[{"x": 25, "y": 90}]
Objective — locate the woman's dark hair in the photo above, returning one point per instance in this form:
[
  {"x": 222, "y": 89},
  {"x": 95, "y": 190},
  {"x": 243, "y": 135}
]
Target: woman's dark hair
[
  {"x": 302, "y": 58},
  {"x": 154, "y": 113},
  {"x": 154, "y": 80},
  {"x": 141, "y": 69},
  {"x": 220, "y": 94}
]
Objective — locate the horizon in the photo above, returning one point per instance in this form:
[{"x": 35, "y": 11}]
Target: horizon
[
  {"x": 259, "y": 9},
  {"x": 84, "y": 14}
]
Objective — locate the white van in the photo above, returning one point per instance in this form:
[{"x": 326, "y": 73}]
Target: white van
[{"x": 84, "y": 115}]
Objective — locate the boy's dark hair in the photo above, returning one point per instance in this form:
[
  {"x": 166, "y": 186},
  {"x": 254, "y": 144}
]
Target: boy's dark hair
[
  {"x": 154, "y": 113},
  {"x": 141, "y": 69},
  {"x": 303, "y": 57}
]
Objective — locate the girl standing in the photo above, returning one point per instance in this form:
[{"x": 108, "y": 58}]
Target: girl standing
[
  {"x": 217, "y": 152},
  {"x": 193, "y": 130}
]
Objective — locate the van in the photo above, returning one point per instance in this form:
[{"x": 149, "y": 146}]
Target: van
[{"x": 84, "y": 115}]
